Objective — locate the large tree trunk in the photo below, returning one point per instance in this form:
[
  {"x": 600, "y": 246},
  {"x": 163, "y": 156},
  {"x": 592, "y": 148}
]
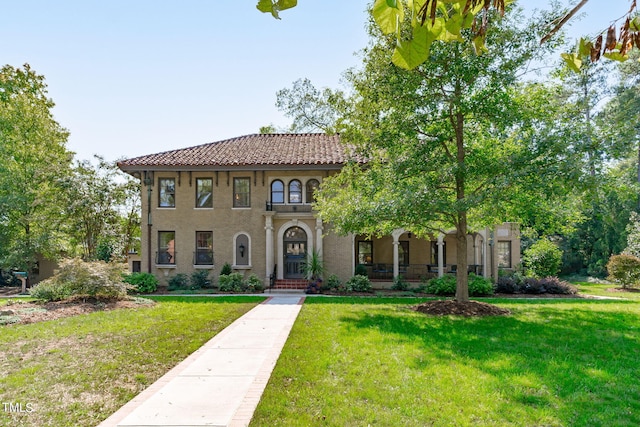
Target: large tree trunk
[{"x": 462, "y": 278}]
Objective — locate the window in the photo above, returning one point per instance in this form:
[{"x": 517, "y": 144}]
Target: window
[
  {"x": 403, "y": 253},
  {"x": 167, "y": 194},
  {"x": 434, "y": 253},
  {"x": 204, "y": 248},
  {"x": 312, "y": 186},
  {"x": 277, "y": 191},
  {"x": 504, "y": 254},
  {"x": 241, "y": 192},
  {"x": 295, "y": 191},
  {"x": 204, "y": 192},
  {"x": 166, "y": 247},
  {"x": 365, "y": 252}
]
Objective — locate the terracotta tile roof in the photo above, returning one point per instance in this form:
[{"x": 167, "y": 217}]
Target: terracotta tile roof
[{"x": 261, "y": 150}]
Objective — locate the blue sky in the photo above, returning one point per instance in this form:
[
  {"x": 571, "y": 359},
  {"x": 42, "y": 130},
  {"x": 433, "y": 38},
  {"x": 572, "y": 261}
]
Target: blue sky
[{"x": 141, "y": 76}]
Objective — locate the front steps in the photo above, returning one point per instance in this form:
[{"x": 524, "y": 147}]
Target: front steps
[{"x": 291, "y": 284}]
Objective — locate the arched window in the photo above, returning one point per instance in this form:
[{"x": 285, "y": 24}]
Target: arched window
[
  {"x": 312, "y": 186},
  {"x": 295, "y": 191},
  {"x": 277, "y": 191}
]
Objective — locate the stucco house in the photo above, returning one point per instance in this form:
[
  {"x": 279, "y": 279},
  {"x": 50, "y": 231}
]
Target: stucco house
[{"x": 248, "y": 201}]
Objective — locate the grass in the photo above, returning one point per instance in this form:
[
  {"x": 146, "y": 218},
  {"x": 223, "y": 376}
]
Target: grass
[
  {"x": 78, "y": 370},
  {"x": 358, "y": 362},
  {"x": 607, "y": 290}
]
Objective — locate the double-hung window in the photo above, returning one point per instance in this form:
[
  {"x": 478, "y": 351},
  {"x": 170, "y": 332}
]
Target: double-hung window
[
  {"x": 167, "y": 193},
  {"x": 204, "y": 192},
  {"x": 204, "y": 248},
  {"x": 241, "y": 192}
]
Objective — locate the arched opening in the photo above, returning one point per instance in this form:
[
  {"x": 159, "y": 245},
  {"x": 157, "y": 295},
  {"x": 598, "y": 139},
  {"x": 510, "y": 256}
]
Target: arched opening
[{"x": 295, "y": 252}]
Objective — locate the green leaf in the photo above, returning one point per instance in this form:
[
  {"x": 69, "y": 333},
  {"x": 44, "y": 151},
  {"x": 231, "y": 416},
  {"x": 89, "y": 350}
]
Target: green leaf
[
  {"x": 616, "y": 56},
  {"x": 268, "y": 6},
  {"x": 584, "y": 47},
  {"x": 411, "y": 53},
  {"x": 479, "y": 45},
  {"x": 572, "y": 61},
  {"x": 387, "y": 17}
]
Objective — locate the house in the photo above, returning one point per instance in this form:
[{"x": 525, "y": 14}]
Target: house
[{"x": 248, "y": 201}]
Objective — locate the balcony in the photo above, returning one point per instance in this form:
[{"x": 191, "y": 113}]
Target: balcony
[{"x": 287, "y": 208}]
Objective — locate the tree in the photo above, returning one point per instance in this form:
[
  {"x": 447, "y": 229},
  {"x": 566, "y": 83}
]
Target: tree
[
  {"x": 455, "y": 143},
  {"x": 33, "y": 158},
  {"x": 312, "y": 110},
  {"x": 102, "y": 210},
  {"x": 445, "y": 20}
]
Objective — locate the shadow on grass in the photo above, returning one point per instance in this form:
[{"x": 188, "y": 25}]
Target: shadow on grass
[
  {"x": 576, "y": 357},
  {"x": 208, "y": 299}
]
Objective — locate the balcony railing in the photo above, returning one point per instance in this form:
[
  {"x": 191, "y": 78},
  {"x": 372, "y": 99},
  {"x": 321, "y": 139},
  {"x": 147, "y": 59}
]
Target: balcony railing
[
  {"x": 287, "y": 208},
  {"x": 166, "y": 257},
  {"x": 414, "y": 271},
  {"x": 203, "y": 257}
]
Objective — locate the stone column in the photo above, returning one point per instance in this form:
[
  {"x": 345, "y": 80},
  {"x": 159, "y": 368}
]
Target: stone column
[
  {"x": 440, "y": 255},
  {"x": 396, "y": 256},
  {"x": 268, "y": 226},
  {"x": 319, "y": 230}
]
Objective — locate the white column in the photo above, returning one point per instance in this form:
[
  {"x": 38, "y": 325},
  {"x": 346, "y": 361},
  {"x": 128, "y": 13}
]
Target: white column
[
  {"x": 353, "y": 254},
  {"x": 440, "y": 255},
  {"x": 268, "y": 226},
  {"x": 485, "y": 253},
  {"x": 396, "y": 256},
  {"x": 319, "y": 230}
]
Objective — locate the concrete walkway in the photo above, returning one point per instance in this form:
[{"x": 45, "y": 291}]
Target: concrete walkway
[{"x": 221, "y": 383}]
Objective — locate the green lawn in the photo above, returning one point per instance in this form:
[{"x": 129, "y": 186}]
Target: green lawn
[
  {"x": 607, "y": 290},
  {"x": 79, "y": 370},
  {"x": 359, "y": 362}
]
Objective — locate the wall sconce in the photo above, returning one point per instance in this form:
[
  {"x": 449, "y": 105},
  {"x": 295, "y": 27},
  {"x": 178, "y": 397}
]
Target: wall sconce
[
  {"x": 409, "y": 234},
  {"x": 242, "y": 248}
]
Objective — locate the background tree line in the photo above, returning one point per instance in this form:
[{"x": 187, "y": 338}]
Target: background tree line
[{"x": 50, "y": 204}]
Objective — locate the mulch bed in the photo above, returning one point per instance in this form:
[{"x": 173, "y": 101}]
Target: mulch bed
[
  {"x": 21, "y": 312},
  {"x": 468, "y": 308}
]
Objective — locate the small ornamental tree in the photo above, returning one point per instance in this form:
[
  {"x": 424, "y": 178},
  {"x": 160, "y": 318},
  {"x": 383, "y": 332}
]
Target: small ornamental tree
[
  {"x": 624, "y": 269},
  {"x": 543, "y": 259}
]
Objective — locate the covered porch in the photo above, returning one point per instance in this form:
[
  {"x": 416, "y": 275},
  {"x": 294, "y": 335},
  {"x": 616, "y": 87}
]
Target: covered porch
[{"x": 416, "y": 259}]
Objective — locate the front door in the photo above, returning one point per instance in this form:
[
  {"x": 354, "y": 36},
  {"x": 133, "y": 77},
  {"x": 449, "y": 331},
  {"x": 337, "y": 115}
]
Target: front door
[{"x": 295, "y": 252}]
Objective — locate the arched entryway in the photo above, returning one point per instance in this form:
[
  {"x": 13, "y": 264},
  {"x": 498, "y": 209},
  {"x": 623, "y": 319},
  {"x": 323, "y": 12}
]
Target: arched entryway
[{"x": 294, "y": 243}]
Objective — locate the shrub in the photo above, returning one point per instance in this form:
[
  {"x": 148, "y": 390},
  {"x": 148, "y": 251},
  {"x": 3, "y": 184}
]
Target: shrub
[
  {"x": 361, "y": 270},
  {"x": 200, "y": 279},
  {"x": 143, "y": 283},
  {"x": 8, "y": 279},
  {"x": 75, "y": 277},
  {"x": 542, "y": 259},
  {"x": 533, "y": 286},
  {"x": 358, "y": 283},
  {"x": 445, "y": 285},
  {"x": 553, "y": 285},
  {"x": 333, "y": 282},
  {"x": 178, "y": 282},
  {"x": 478, "y": 285},
  {"x": 507, "y": 285},
  {"x": 226, "y": 269},
  {"x": 254, "y": 284},
  {"x": 49, "y": 290},
  {"x": 399, "y": 284},
  {"x": 624, "y": 269},
  {"x": 233, "y": 282}
]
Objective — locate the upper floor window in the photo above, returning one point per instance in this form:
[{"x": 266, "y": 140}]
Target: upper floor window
[
  {"x": 277, "y": 191},
  {"x": 241, "y": 192},
  {"x": 167, "y": 193},
  {"x": 295, "y": 191},
  {"x": 312, "y": 186},
  {"x": 204, "y": 193}
]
